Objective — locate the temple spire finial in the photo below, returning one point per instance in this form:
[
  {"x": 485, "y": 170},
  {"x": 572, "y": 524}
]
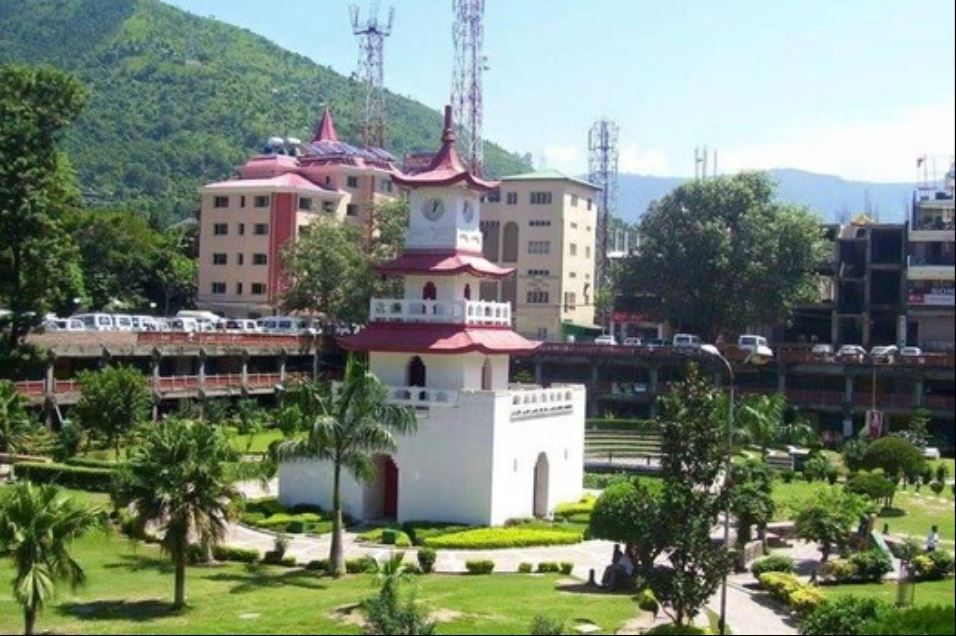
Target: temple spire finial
[
  {"x": 448, "y": 134},
  {"x": 325, "y": 131}
]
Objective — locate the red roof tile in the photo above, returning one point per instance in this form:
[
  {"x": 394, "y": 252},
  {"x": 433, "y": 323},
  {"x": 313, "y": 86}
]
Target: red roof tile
[
  {"x": 325, "y": 131},
  {"x": 436, "y": 338},
  {"x": 443, "y": 263}
]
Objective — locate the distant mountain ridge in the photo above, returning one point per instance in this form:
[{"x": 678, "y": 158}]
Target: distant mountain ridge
[{"x": 833, "y": 198}]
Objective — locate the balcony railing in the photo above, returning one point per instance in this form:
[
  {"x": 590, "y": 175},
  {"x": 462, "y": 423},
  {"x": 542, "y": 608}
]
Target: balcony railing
[
  {"x": 422, "y": 397},
  {"x": 461, "y": 312},
  {"x": 530, "y": 403}
]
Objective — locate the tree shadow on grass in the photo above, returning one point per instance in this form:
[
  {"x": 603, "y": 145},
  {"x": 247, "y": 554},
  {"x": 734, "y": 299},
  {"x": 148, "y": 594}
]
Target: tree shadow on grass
[
  {"x": 584, "y": 588},
  {"x": 254, "y": 577},
  {"x": 138, "y": 562},
  {"x": 144, "y": 610}
]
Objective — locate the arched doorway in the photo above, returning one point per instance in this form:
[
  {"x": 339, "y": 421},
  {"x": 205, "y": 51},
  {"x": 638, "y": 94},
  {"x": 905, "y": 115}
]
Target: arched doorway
[
  {"x": 509, "y": 243},
  {"x": 540, "y": 504},
  {"x": 486, "y": 375},
  {"x": 381, "y": 495},
  {"x": 428, "y": 291},
  {"x": 467, "y": 291},
  {"x": 415, "y": 373}
]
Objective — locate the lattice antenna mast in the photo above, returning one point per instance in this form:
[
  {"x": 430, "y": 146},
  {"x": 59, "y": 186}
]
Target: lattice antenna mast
[
  {"x": 602, "y": 171},
  {"x": 470, "y": 63},
  {"x": 371, "y": 34}
]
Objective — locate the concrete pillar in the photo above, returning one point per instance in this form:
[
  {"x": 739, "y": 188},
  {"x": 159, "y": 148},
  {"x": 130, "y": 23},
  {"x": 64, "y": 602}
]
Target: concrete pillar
[
  {"x": 652, "y": 384},
  {"x": 244, "y": 372},
  {"x": 918, "y": 393},
  {"x": 781, "y": 379},
  {"x": 848, "y": 389},
  {"x": 538, "y": 373},
  {"x": 282, "y": 360},
  {"x": 49, "y": 380},
  {"x": 201, "y": 372}
]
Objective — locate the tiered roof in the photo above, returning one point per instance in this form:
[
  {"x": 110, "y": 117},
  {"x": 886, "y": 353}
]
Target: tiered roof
[{"x": 393, "y": 337}]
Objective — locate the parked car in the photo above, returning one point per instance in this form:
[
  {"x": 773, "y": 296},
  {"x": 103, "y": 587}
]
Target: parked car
[
  {"x": 931, "y": 452},
  {"x": 605, "y": 340},
  {"x": 145, "y": 323},
  {"x": 686, "y": 341},
  {"x": 95, "y": 322},
  {"x": 851, "y": 353},
  {"x": 756, "y": 345},
  {"x": 284, "y": 324},
  {"x": 63, "y": 324},
  {"x": 911, "y": 352},
  {"x": 655, "y": 343},
  {"x": 632, "y": 342},
  {"x": 122, "y": 322},
  {"x": 189, "y": 325},
  {"x": 885, "y": 353},
  {"x": 239, "y": 325},
  {"x": 822, "y": 350}
]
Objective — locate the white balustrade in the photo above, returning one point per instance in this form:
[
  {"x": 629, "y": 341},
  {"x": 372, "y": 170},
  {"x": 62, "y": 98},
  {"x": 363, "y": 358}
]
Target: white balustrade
[
  {"x": 422, "y": 397},
  {"x": 459, "y": 312},
  {"x": 528, "y": 403}
]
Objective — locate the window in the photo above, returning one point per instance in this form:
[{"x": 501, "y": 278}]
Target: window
[
  {"x": 220, "y": 202},
  {"x": 239, "y": 289},
  {"x": 258, "y": 289},
  {"x": 259, "y": 259},
  {"x": 542, "y": 333},
  {"x": 240, "y": 258},
  {"x": 590, "y": 203},
  {"x": 539, "y": 272},
  {"x": 587, "y": 252},
  {"x": 540, "y": 198},
  {"x": 242, "y": 229},
  {"x": 219, "y": 258},
  {"x": 351, "y": 209},
  {"x": 352, "y": 182},
  {"x": 588, "y": 229},
  {"x": 573, "y": 249},
  {"x": 242, "y": 201},
  {"x": 574, "y": 226},
  {"x": 494, "y": 197},
  {"x": 539, "y": 223},
  {"x": 261, "y": 228},
  {"x": 509, "y": 247},
  {"x": 574, "y": 200},
  {"x": 587, "y": 276},
  {"x": 572, "y": 274},
  {"x": 328, "y": 206},
  {"x": 306, "y": 203},
  {"x": 512, "y": 198},
  {"x": 220, "y": 229},
  {"x": 489, "y": 239},
  {"x": 386, "y": 185},
  {"x": 537, "y": 297},
  {"x": 569, "y": 301},
  {"x": 261, "y": 201},
  {"x": 219, "y": 288},
  {"x": 539, "y": 247}
]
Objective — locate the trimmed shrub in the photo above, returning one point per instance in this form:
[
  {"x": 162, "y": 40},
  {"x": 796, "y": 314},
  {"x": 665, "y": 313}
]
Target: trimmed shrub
[
  {"x": 832, "y": 476},
  {"x": 780, "y": 585},
  {"x": 426, "y": 559},
  {"x": 873, "y": 485},
  {"x": 566, "y": 568},
  {"x": 230, "y": 553},
  {"x": 480, "y": 567},
  {"x": 942, "y": 563},
  {"x": 929, "y": 619},
  {"x": 79, "y": 477},
  {"x": 787, "y": 476},
  {"x": 817, "y": 467},
  {"x": 268, "y": 506},
  {"x": 896, "y": 457},
  {"x": 318, "y": 565},
  {"x": 547, "y": 567},
  {"x": 360, "y": 565},
  {"x": 601, "y": 423},
  {"x": 419, "y": 531},
  {"x": 846, "y": 615},
  {"x": 89, "y": 462},
  {"x": 926, "y": 473},
  {"x": 806, "y": 599},
  {"x": 412, "y": 568},
  {"x": 545, "y": 626},
  {"x": 871, "y": 565},
  {"x": 525, "y": 568},
  {"x": 942, "y": 473},
  {"x": 584, "y": 506},
  {"x": 389, "y": 535},
  {"x": 772, "y": 563},
  {"x": 676, "y": 630},
  {"x": 491, "y": 538},
  {"x": 936, "y": 486},
  {"x": 838, "y": 570},
  {"x": 648, "y": 602}
]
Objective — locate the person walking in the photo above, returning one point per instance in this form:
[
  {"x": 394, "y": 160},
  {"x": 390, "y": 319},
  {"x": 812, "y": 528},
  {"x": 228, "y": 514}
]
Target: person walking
[{"x": 933, "y": 539}]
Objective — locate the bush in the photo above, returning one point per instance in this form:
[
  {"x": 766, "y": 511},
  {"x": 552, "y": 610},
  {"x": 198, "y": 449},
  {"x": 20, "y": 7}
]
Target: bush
[
  {"x": 675, "y": 630},
  {"x": 566, "y": 568},
  {"x": 419, "y": 531},
  {"x": 648, "y": 602},
  {"x": 480, "y": 567},
  {"x": 871, "y": 565},
  {"x": 79, "y": 477},
  {"x": 926, "y": 473},
  {"x": 389, "y": 535},
  {"x": 832, "y": 476},
  {"x": 780, "y": 585},
  {"x": 584, "y": 506},
  {"x": 846, "y": 615},
  {"x": 603, "y": 423},
  {"x": 230, "y": 553},
  {"x": 525, "y": 568},
  {"x": 318, "y": 565},
  {"x": 491, "y": 538},
  {"x": 808, "y": 476},
  {"x": 936, "y": 486},
  {"x": 772, "y": 563},
  {"x": 360, "y": 565},
  {"x": 787, "y": 475},
  {"x": 853, "y": 451},
  {"x": 838, "y": 570},
  {"x": 817, "y": 467},
  {"x": 895, "y": 456},
  {"x": 942, "y": 563},
  {"x": 386, "y": 536},
  {"x": 942, "y": 473},
  {"x": 873, "y": 485},
  {"x": 68, "y": 441},
  {"x": 268, "y": 506},
  {"x": 426, "y": 559},
  {"x": 544, "y": 626},
  {"x": 929, "y": 619},
  {"x": 806, "y": 599},
  {"x": 546, "y": 567}
]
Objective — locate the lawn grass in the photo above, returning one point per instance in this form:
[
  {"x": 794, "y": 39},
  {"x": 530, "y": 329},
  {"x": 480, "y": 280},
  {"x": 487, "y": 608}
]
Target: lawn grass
[
  {"x": 130, "y": 586},
  {"x": 255, "y": 443},
  {"x": 927, "y": 592}
]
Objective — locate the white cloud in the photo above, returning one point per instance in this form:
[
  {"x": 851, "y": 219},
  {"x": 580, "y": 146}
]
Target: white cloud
[
  {"x": 567, "y": 158},
  {"x": 884, "y": 150},
  {"x": 572, "y": 159},
  {"x": 650, "y": 161}
]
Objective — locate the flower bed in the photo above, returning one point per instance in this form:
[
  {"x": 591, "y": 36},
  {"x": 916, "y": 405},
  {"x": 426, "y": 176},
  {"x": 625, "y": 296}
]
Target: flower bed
[{"x": 494, "y": 538}]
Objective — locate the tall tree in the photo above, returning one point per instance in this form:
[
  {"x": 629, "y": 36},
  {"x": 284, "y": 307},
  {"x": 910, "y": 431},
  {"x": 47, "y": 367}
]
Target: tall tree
[
  {"x": 751, "y": 499},
  {"x": 38, "y": 260},
  {"x": 37, "y": 526},
  {"x": 723, "y": 254},
  {"x": 694, "y": 447},
  {"x": 15, "y": 419},
  {"x": 829, "y": 518},
  {"x": 113, "y": 400},
  {"x": 630, "y": 513},
  {"x": 178, "y": 480},
  {"x": 760, "y": 418},
  {"x": 347, "y": 424}
]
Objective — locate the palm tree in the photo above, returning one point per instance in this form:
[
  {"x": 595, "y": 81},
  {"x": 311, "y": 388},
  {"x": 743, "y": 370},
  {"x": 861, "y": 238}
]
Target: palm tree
[
  {"x": 15, "y": 420},
  {"x": 347, "y": 423},
  {"x": 178, "y": 480},
  {"x": 37, "y": 526},
  {"x": 761, "y": 416}
]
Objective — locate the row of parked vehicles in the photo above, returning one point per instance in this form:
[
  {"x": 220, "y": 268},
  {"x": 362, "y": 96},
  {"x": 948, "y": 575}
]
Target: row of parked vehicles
[
  {"x": 856, "y": 353},
  {"x": 189, "y": 321},
  {"x": 689, "y": 342}
]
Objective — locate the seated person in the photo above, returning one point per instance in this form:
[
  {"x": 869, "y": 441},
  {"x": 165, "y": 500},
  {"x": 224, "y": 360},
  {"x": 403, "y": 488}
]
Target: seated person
[{"x": 610, "y": 572}]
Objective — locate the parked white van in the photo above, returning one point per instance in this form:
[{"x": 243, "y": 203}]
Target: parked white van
[
  {"x": 96, "y": 322},
  {"x": 63, "y": 324},
  {"x": 145, "y": 323},
  {"x": 122, "y": 322},
  {"x": 756, "y": 345},
  {"x": 686, "y": 341},
  {"x": 239, "y": 325},
  {"x": 284, "y": 324},
  {"x": 190, "y": 325}
]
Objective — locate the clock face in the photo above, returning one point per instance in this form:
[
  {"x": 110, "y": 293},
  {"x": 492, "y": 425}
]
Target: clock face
[
  {"x": 468, "y": 212},
  {"x": 434, "y": 209}
]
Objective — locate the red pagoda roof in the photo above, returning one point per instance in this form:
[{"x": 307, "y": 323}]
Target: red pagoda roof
[
  {"x": 446, "y": 167},
  {"x": 436, "y": 338},
  {"x": 443, "y": 263}
]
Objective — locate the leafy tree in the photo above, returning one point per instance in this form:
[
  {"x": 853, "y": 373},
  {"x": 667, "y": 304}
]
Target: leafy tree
[
  {"x": 818, "y": 466},
  {"x": 723, "y": 254},
  {"x": 694, "y": 449},
  {"x": 917, "y": 430},
  {"x": 630, "y": 513},
  {"x": 346, "y": 425},
  {"x": 177, "y": 480},
  {"x": 38, "y": 264},
  {"x": 829, "y": 518},
  {"x": 845, "y": 615},
  {"x": 895, "y": 455},
  {"x": 387, "y": 613},
  {"x": 113, "y": 400},
  {"x": 853, "y": 451},
  {"x": 751, "y": 499},
  {"x": 15, "y": 419},
  {"x": 873, "y": 485},
  {"x": 37, "y": 526},
  {"x": 762, "y": 417}
]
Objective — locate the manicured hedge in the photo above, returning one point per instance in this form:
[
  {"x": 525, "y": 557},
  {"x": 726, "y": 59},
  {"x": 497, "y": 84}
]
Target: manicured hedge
[
  {"x": 584, "y": 506},
  {"x": 229, "y": 553},
  {"x": 88, "y": 462},
  {"x": 386, "y": 536},
  {"x": 81, "y": 477},
  {"x": 492, "y": 538},
  {"x": 426, "y": 560},
  {"x": 480, "y": 567},
  {"x": 646, "y": 426},
  {"x": 359, "y": 565},
  {"x": 790, "y": 590},
  {"x": 772, "y": 563},
  {"x": 420, "y": 531}
]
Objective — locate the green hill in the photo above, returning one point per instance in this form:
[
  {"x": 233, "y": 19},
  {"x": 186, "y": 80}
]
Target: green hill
[{"x": 177, "y": 100}]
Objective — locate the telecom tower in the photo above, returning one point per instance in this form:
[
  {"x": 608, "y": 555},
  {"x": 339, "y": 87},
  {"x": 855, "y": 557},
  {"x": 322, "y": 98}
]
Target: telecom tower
[
  {"x": 602, "y": 171},
  {"x": 371, "y": 36},
  {"x": 467, "y": 35}
]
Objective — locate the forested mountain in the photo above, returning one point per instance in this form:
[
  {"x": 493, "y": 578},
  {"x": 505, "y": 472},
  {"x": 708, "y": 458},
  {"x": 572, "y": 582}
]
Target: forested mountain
[{"x": 177, "y": 100}]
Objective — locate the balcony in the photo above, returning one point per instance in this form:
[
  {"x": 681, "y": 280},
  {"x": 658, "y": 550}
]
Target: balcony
[
  {"x": 537, "y": 402},
  {"x": 937, "y": 267},
  {"x": 525, "y": 403},
  {"x": 422, "y": 397},
  {"x": 459, "y": 312},
  {"x": 933, "y": 222}
]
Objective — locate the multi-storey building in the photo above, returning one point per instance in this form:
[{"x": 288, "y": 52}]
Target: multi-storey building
[
  {"x": 931, "y": 265},
  {"x": 543, "y": 224},
  {"x": 246, "y": 222}
]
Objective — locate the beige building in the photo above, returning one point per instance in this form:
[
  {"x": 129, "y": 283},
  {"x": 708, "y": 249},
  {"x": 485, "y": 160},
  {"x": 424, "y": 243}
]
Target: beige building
[
  {"x": 246, "y": 222},
  {"x": 544, "y": 225}
]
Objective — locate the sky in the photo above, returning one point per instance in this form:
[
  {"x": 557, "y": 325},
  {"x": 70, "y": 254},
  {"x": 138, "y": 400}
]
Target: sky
[{"x": 856, "y": 88}]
